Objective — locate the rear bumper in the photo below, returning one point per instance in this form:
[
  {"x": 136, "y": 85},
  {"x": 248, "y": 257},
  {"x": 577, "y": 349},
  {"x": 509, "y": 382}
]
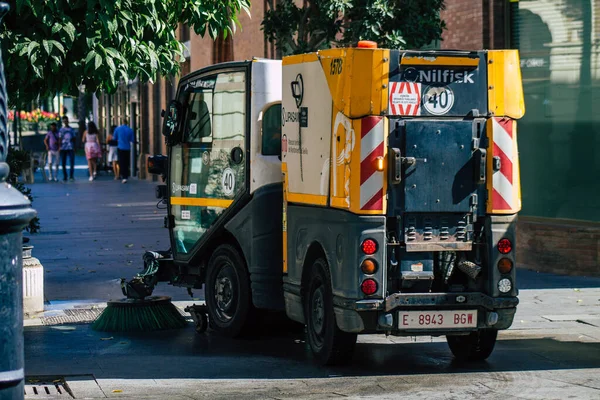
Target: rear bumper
[{"x": 368, "y": 316}]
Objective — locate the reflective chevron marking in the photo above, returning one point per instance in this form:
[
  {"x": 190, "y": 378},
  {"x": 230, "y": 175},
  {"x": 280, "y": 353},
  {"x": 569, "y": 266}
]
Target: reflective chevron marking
[
  {"x": 504, "y": 193},
  {"x": 371, "y": 180}
]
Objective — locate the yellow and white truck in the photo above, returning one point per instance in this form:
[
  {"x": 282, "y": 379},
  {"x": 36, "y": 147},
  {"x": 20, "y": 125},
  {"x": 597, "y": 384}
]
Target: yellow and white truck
[{"x": 361, "y": 190}]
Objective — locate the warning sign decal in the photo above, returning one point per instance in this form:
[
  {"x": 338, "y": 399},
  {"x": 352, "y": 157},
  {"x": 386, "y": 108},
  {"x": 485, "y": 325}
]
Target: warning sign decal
[{"x": 405, "y": 98}]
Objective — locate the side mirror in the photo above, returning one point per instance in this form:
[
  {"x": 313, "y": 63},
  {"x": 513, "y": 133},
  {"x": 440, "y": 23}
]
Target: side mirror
[{"x": 172, "y": 118}]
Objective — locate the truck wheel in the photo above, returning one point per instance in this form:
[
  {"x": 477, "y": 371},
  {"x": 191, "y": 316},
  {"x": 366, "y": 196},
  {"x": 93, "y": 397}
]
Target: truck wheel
[
  {"x": 228, "y": 291},
  {"x": 476, "y": 346},
  {"x": 329, "y": 344}
]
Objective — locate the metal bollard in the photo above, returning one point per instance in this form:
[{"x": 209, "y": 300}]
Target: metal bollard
[{"x": 15, "y": 214}]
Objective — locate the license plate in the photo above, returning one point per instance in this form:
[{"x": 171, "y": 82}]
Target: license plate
[{"x": 437, "y": 319}]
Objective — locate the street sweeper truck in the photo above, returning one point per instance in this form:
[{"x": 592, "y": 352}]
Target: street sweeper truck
[{"x": 361, "y": 190}]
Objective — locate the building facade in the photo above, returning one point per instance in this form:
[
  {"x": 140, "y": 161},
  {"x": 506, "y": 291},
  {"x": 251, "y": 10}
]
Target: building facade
[{"x": 559, "y": 137}]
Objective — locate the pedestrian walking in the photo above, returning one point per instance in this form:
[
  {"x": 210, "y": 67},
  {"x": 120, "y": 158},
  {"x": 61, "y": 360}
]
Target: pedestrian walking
[
  {"x": 92, "y": 148},
  {"x": 66, "y": 147},
  {"x": 52, "y": 144},
  {"x": 124, "y": 136},
  {"x": 113, "y": 151}
]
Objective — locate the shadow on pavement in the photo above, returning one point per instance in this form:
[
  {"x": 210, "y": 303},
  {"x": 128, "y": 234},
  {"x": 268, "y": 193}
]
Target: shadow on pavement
[{"x": 78, "y": 350}]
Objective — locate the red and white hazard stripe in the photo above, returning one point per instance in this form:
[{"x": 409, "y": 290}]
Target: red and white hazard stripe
[
  {"x": 371, "y": 147},
  {"x": 405, "y": 98},
  {"x": 504, "y": 187}
]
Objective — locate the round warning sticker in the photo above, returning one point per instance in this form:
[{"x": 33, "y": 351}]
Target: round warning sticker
[
  {"x": 438, "y": 100},
  {"x": 228, "y": 181}
]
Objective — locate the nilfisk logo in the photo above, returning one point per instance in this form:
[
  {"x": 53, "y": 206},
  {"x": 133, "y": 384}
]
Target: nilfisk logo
[{"x": 438, "y": 76}]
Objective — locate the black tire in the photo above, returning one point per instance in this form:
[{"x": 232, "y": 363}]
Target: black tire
[
  {"x": 202, "y": 323},
  {"x": 228, "y": 296},
  {"x": 476, "y": 346},
  {"x": 329, "y": 345}
]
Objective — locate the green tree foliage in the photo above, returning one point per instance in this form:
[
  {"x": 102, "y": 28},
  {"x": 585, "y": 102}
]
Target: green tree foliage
[
  {"x": 320, "y": 24},
  {"x": 57, "y": 45}
]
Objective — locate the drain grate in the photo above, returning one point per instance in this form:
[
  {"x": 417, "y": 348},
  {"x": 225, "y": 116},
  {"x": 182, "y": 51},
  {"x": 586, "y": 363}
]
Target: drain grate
[
  {"x": 47, "y": 388},
  {"x": 73, "y": 316}
]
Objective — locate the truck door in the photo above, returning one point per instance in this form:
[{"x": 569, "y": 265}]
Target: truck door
[{"x": 208, "y": 171}]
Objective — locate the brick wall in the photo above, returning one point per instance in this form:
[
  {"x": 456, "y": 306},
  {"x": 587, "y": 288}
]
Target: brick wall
[
  {"x": 558, "y": 246},
  {"x": 475, "y": 24},
  {"x": 464, "y": 25},
  {"x": 249, "y": 41}
]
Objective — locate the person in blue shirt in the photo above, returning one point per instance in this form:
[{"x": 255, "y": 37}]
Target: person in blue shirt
[
  {"x": 66, "y": 147},
  {"x": 124, "y": 136}
]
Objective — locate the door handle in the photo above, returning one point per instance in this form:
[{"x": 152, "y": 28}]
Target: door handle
[
  {"x": 479, "y": 158},
  {"x": 399, "y": 162},
  {"x": 396, "y": 162},
  {"x": 408, "y": 161}
]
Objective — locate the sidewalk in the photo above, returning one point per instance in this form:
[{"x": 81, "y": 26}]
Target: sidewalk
[{"x": 94, "y": 233}]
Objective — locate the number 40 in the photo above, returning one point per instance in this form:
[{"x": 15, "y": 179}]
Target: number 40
[{"x": 442, "y": 99}]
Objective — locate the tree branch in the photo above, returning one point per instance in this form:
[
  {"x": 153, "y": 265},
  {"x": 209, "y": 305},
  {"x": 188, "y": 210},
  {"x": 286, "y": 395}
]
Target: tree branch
[{"x": 302, "y": 35}]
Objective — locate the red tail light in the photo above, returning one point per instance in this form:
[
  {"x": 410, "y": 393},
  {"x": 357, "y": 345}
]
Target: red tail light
[
  {"x": 369, "y": 246},
  {"x": 369, "y": 286},
  {"x": 504, "y": 246}
]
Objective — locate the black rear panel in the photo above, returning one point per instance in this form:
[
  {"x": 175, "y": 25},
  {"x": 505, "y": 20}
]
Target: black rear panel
[
  {"x": 437, "y": 147},
  {"x": 441, "y": 179}
]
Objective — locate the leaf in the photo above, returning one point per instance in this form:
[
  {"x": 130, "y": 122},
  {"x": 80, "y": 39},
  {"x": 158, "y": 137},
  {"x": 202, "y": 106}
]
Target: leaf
[
  {"x": 153, "y": 59},
  {"x": 23, "y": 51},
  {"x": 56, "y": 28},
  {"x": 90, "y": 56},
  {"x": 127, "y": 15},
  {"x": 111, "y": 65},
  {"x": 70, "y": 31},
  {"x": 112, "y": 52},
  {"x": 38, "y": 72},
  {"x": 47, "y": 46},
  {"x": 98, "y": 61},
  {"x": 59, "y": 46},
  {"x": 32, "y": 46}
]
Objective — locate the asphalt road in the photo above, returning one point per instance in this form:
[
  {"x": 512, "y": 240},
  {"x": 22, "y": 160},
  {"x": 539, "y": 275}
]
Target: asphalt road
[{"x": 551, "y": 352}]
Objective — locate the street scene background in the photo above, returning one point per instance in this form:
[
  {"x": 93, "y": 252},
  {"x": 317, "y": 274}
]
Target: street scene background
[{"x": 93, "y": 233}]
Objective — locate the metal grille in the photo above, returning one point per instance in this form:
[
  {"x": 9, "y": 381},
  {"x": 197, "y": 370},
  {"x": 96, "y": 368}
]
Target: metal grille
[
  {"x": 73, "y": 316},
  {"x": 47, "y": 389}
]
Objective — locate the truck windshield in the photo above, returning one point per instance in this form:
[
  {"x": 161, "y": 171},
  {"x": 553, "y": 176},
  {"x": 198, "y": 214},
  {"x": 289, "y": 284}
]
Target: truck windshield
[{"x": 205, "y": 178}]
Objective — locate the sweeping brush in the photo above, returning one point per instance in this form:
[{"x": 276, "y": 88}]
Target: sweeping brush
[{"x": 132, "y": 315}]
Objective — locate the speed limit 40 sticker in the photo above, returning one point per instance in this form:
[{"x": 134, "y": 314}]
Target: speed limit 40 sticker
[
  {"x": 438, "y": 100},
  {"x": 228, "y": 181}
]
